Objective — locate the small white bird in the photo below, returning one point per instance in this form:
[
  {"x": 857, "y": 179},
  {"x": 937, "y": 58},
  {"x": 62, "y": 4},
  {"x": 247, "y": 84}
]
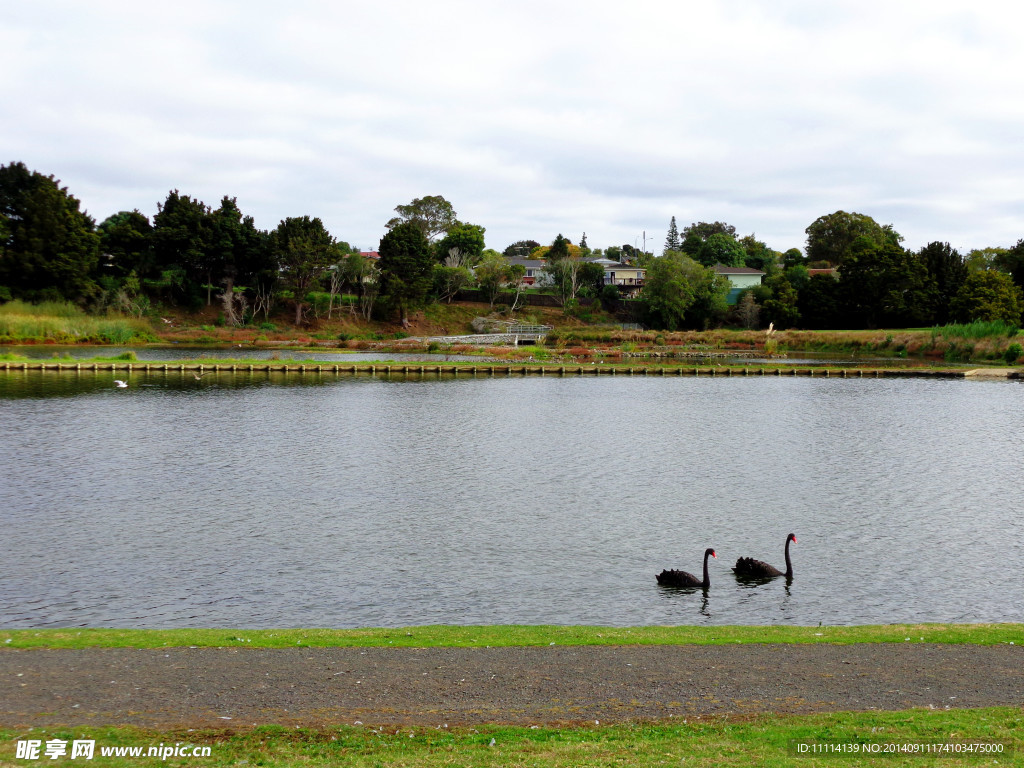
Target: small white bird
[{"x": 120, "y": 384}]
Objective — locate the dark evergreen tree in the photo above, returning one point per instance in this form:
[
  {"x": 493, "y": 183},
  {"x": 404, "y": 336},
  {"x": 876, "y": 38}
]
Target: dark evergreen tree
[
  {"x": 520, "y": 249},
  {"x": 48, "y": 247},
  {"x": 406, "y": 268},
  {"x": 1011, "y": 262},
  {"x": 947, "y": 271},
  {"x": 672, "y": 240},
  {"x": 304, "y": 249},
  {"x": 559, "y": 248},
  {"x": 181, "y": 242},
  {"x": 885, "y": 286},
  {"x": 126, "y": 245}
]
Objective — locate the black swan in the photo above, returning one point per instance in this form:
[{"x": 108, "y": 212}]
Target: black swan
[
  {"x": 750, "y": 568},
  {"x": 684, "y": 579}
]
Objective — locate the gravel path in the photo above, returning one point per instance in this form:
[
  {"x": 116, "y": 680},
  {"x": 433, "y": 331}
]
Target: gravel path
[{"x": 192, "y": 687}]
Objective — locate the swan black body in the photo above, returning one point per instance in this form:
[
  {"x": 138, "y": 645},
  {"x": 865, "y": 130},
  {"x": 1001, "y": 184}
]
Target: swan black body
[
  {"x": 684, "y": 579},
  {"x": 748, "y": 567}
]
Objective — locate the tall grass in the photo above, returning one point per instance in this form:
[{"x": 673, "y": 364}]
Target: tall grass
[
  {"x": 979, "y": 329},
  {"x": 57, "y": 321}
]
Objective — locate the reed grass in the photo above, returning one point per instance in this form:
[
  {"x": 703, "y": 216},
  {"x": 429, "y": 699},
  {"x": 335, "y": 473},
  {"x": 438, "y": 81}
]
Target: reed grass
[
  {"x": 63, "y": 322},
  {"x": 979, "y": 329}
]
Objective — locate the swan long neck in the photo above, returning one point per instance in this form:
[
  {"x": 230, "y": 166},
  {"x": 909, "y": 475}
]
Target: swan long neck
[
  {"x": 707, "y": 578},
  {"x": 789, "y": 563}
]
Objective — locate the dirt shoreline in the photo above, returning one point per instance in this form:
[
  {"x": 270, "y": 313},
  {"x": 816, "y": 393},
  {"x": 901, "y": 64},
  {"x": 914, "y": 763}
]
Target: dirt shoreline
[{"x": 555, "y": 685}]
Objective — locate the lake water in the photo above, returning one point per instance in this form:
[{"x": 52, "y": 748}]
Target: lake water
[{"x": 259, "y": 500}]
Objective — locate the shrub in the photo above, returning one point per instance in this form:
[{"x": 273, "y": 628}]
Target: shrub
[{"x": 1013, "y": 353}]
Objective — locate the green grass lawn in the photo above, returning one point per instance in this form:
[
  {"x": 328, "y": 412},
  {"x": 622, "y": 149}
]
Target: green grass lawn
[
  {"x": 511, "y": 635},
  {"x": 738, "y": 740},
  {"x": 694, "y": 741}
]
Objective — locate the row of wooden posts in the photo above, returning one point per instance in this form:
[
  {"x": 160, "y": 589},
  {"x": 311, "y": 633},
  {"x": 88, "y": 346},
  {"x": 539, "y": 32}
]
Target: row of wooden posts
[{"x": 491, "y": 370}]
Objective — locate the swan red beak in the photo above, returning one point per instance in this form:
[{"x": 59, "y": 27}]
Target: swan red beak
[{"x": 714, "y": 555}]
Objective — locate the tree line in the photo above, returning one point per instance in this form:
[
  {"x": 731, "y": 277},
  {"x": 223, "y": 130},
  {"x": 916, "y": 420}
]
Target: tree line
[{"x": 854, "y": 273}]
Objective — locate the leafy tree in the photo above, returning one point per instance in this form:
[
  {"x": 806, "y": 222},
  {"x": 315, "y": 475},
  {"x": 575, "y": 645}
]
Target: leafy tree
[
  {"x": 181, "y": 240},
  {"x": 236, "y": 250},
  {"x": 48, "y": 247},
  {"x": 467, "y": 239},
  {"x": 792, "y": 258},
  {"x": 679, "y": 292},
  {"x": 983, "y": 258},
  {"x": 988, "y": 296},
  {"x": 1012, "y": 262},
  {"x": 520, "y": 249},
  {"x": 126, "y": 245},
  {"x": 885, "y": 285},
  {"x": 432, "y": 215},
  {"x": 758, "y": 255},
  {"x": 781, "y": 307},
  {"x": 406, "y": 267},
  {"x": 830, "y": 238},
  {"x": 304, "y": 250},
  {"x": 695, "y": 235},
  {"x": 362, "y": 274},
  {"x": 723, "y": 249},
  {"x": 449, "y": 280},
  {"x": 492, "y": 274},
  {"x": 559, "y": 248},
  {"x": 672, "y": 240},
  {"x": 819, "y": 303},
  {"x": 797, "y": 276},
  {"x": 947, "y": 271}
]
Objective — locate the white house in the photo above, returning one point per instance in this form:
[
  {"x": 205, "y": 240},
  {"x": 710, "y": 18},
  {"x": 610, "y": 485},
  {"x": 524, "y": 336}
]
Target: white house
[{"x": 740, "y": 277}]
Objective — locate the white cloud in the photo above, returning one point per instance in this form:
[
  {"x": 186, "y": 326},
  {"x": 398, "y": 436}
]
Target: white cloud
[{"x": 534, "y": 118}]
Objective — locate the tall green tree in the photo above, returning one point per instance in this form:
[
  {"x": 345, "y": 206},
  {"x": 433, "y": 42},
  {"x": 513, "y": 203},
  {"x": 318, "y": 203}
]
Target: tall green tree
[
  {"x": 48, "y": 247},
  {"x": 681, "y": 293},
  {"x": 947, "y": 270},
  {"x": 559, "y": 249},
  {"x": 782, "y": 306},
  {"x": 304, "y": 250},
  {"x": 127, "y": 245},
  {"x": 406, "y": 268},
  {"x": 885, "y": 286},
  {"x": 820, "y": 303},
  {"x": 695, "y": 235},
  {"x": 830, "y": 238},
  {"x": 723, "y": 249},
  {"x": 432, "y": 215},
  {"x": 181, "y": 241},
  {"x": 1012, "y": 262},
  {"x": 467, "y": 240},
  {"x": 672, "y": 240},
  {"x": 989, "y": 296}
]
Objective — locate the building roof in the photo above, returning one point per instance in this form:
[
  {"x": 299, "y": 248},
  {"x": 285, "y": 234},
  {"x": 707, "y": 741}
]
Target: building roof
[
  {"x": 530, "y": 263},
  {"x": 721, "y": 269}
]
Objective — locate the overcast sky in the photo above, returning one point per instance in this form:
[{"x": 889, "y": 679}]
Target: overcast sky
[{"x": 532, "y": 118}]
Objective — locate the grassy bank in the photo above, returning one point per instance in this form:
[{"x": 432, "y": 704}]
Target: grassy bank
[
  {"x": 693, "y": 741},
  {"x": 510, "y": 635},
  {"x": 63, "y": 323}
]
